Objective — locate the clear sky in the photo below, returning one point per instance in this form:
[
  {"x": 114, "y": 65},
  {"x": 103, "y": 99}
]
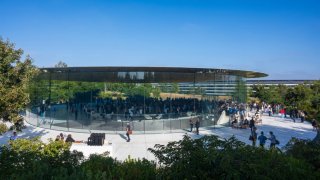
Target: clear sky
[{"x": 278, "y": 37}]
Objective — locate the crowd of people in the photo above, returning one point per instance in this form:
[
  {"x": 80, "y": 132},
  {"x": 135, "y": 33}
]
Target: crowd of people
[
  {"x": 69, "y": 138},
  {"x": 240, "y": 113},
  {"x": 134, "y": 108},
  {"x": 137, "y": 105},
  {"x": 280, "y": 110}
]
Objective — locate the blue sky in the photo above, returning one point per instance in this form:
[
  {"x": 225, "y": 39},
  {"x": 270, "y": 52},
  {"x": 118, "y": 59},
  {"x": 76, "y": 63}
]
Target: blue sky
[{"x": 278, "y": 37}]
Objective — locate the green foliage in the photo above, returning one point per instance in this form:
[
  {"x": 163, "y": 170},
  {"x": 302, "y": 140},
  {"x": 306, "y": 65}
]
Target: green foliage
[
  {"x": 58, "y": 91},
  {"x": 261, "y": 92},
  {"x": 110, "y": 94},
  {"x": 240, "y": 93},
  {"x": 300, "y": 97},
  {"x": 15, "y": 74},
  {"x": 3, "y": 128},
  {"x": 175, "y": 88},
  {"x": 156, "y": 92},
  {"x": 62, "y": 91},
  {"x": 212, "y": 158},
  {"x": 270, "y": 94},
  {"x": 206, "y": 158},
  {"x": 306, "y": 150},
  {"x": 304, "y": 97},
  {"x": 98, "y": 167},
  {"x": 61, "y": 64},
  {"x": 33, "y": 158}
]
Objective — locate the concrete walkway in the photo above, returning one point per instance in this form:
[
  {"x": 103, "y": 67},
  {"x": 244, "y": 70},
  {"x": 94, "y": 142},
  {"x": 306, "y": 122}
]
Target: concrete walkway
[{"x": 284, "y": 130}]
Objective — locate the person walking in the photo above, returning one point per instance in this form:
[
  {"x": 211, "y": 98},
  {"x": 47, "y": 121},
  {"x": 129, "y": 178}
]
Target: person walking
[
  {"x": 262, "y": 139},
  {"x": 251, "y": 124},
  {"x": 285, "y": 112},
  {"x": 128, "y": 130},
  {"x": 272, "y": 139},
  {"x": 302, "y": 116},
  {"x": 254, "y": 136},
  {"x": 314, "y": 125},
  {"x": 191, "y": 124},
  {"x": 197, "y": 125},
  {"x": 14, "y": 136}
]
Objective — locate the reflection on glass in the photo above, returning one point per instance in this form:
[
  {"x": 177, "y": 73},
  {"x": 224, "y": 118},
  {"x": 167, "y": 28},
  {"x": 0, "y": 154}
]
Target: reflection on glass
[{"x": 91, "y": 104}]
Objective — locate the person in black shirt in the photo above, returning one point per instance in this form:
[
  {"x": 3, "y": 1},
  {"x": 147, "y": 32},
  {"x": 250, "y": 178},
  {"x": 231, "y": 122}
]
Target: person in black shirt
[
  {"x": 251, "y": 124},
  {"x": 57, "y": 138},
  {"x": 70, "y": 139},
  {"x": 197, "y": 125},
  {"x": 128, "y": 130}
]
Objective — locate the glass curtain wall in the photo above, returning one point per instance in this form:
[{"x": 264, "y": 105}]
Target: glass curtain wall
[{"x": 151, "y": 102}]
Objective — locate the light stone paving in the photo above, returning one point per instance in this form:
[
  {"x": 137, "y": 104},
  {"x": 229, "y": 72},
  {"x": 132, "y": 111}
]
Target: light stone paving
[{"x": 283, "y": 129}]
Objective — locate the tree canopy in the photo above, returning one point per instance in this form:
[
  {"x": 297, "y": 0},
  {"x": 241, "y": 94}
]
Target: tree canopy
[
  {"x": 61, "y": 64},
  {"x": 15, "y": 75},
  {"x": 304, "y": 97}
]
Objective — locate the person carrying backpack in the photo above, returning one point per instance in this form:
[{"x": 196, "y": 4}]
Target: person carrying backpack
[{"x": 273, "y": 140}]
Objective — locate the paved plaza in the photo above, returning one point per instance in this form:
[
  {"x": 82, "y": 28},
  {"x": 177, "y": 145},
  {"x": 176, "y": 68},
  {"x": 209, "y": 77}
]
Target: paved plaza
[{"x": 283, "y": 128}]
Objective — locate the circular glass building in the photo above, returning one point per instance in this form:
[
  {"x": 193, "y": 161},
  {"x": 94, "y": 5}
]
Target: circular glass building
[{"x": 151, "y": 99}]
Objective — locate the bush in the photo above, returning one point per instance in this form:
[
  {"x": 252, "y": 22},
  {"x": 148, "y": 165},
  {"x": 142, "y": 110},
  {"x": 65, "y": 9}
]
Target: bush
[
  {"x": 305, "y": 150},
  {"x": 18, "y": 125},
  {"x": 206, "y": 158},
  {"x": 23, "y": 158},
  {"x": 99, "y": 167},
  {"x": 3, "y": 128},
  {"x": 212, "y": 158}
]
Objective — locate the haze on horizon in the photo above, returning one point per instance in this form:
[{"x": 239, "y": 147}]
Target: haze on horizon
[{"x": 277, "y": 37}]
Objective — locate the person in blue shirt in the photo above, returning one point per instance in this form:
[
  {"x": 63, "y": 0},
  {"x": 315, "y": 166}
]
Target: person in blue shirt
[
  {"x": 262, "y": 139},
  {"x": 14, "y": 136}
]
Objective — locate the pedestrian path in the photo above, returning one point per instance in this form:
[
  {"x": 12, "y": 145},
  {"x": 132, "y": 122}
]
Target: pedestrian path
[{"x": 283, "y": 129}]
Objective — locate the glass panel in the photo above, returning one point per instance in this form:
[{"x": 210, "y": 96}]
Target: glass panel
[{"x": 151, "y": 102}]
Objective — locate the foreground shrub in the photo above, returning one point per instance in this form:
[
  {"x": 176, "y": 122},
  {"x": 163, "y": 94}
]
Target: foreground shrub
[
  {"x": 99, "y": 167},
  {"x": 3, "y": 128},
  {"x": 33, "y": 159},
  {"x": 212, "y": 158},
  {"x": 306, "y": 150},
  {"x": 206, "y": 158},
  {"x": 23, "y": 158}
]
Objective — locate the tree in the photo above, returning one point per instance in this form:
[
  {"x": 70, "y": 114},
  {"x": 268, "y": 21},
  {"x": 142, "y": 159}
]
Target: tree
[
  {"x": 15, "y": 75},
  {"x": 315, "y": 112},
  {"x": 261, "y": 92},
  {"x": 240, "y": 92},
  {"x": 300, "y": 97},
  {"x": 304, "y": 97},
  {"x": 175, "y": 88},
  {"x": 61, "y": 64}
]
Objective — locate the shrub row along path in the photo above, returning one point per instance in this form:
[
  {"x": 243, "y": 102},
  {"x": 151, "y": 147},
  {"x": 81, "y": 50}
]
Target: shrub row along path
[{"x": 283, "y": 128}]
